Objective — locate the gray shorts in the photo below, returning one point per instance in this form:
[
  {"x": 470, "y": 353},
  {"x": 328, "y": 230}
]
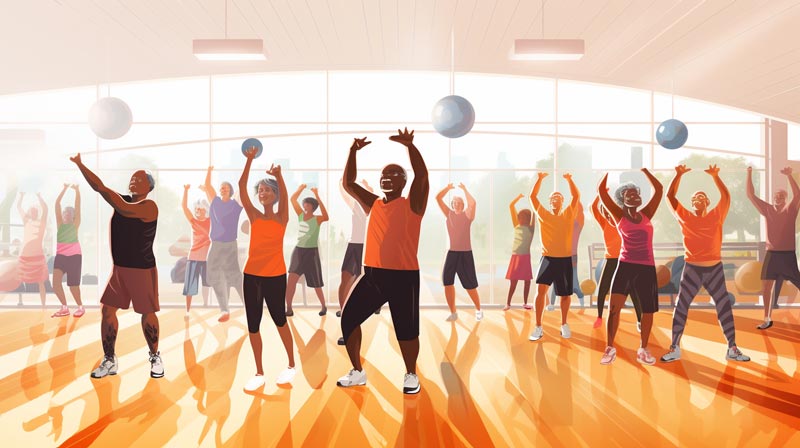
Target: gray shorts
[
  {"x": 305, "y": 261},
  {"x": 195, "y": 270},
  {"x": 352, "y": 259}
]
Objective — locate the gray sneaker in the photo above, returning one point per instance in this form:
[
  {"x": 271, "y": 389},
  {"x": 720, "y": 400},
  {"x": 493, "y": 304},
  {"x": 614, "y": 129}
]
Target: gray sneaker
[
  {"x": 353, "y": 378},
  {"x": 410, "y": 384},
  {"x": 734, "y": 354},
  {"x": 674, "y": 354},
  {"x": 108, "y": 366},
  {"x": 156, "y": 366}
]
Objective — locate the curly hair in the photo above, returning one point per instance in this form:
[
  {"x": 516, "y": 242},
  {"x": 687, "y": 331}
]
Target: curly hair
[
  {"x": 314, "y": 203},
  {"x": 271, "y": 184},
  {"x": 619, "y": 193}
]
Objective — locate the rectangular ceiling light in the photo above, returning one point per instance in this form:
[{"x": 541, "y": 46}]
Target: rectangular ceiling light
[
  {"x": 228, "y": 49},
  {"x": 547, "y": 49}
]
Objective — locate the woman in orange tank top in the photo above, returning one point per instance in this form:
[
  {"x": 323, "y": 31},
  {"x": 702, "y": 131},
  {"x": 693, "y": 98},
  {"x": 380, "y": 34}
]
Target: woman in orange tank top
[{"x": 265, "y": 269}]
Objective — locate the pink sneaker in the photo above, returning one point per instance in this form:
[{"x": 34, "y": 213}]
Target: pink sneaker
[
  {"x": 644, "y": 357},
  {"x": 62, "y": 312},
  {"x": 609, "y": 355},
  {"x": 79, "y": 312},
  {"x": 598, "y": 322},
  {"x": 527, "y": 307}
]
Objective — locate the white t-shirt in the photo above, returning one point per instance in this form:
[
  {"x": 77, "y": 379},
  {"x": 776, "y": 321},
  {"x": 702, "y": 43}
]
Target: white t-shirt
[{"x": 359, "y": 224}]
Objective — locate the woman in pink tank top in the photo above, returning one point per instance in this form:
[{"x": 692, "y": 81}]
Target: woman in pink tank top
[{"x": 636, "y": 271}]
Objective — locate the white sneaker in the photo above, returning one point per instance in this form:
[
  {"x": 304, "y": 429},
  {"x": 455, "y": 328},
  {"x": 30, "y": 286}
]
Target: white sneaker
[
  {"x": 673, "y": 354},
  {"x": 353, "y": 378},
  {"x": 156, "y": 366},
  {"x": 108, "y": 366},
  {"x": 286, "y": 376},
  {"x": 565, "y": 333},
  {"x": 537, "y": 334},
  {"x": 452, "y": 317},
  {"x": 551, "y": 308},
  {"x": 410, "y": 384},
  {"x": 254, "y": 383},
  {"x": 478, "y": 315},
  {"x": 735, "y": 354},
  {"x": 643, "y": 356}
]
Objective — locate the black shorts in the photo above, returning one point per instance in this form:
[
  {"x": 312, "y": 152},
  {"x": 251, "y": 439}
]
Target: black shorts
[
  {"x": 556, "y": 271},
  {"x": 305, "y": 261},
  {"x": 463, "y": 264},
  {"x": 378, "y": 286},
  {"x": 637, "y": 280},
  {"x": 352, "y": 259},
  {"x": 258, "y": 290},
  {"x": 70, "y": 265},
  {"x": 780, "y": 265}
]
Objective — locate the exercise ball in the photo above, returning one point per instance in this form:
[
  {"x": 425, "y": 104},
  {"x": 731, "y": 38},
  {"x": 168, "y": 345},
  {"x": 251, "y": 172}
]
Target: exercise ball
[
  {"x": 672, "y": 134},
  {"x": 588, "y": 286},
  {"x": 453, "y": 116},
  {"x": 251, "y": 142},
  {"x": 663, "y": 275},
  {"x": 9, "y": 277},
  {"x": 110, "y": 118},
  {"x": 748, "y": 277}
]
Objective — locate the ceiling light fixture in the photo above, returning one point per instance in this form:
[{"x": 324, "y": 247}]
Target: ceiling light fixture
[
  {"x": 547, "y": 49},
  {"x": 228, "y": 49}
]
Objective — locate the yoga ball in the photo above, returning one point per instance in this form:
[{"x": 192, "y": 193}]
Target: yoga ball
[
  {"x": 663, "y": 275},
  {"x": 110, "y": 118},
  {"x": 453, "y": 116},
  {"x": 748, "y": 277},
  {"x": 672, "y": 134},
  {"x": 588, "y": 286},
  {"x": 9, "y": 277},
  {"x": 251, "y": 142}
]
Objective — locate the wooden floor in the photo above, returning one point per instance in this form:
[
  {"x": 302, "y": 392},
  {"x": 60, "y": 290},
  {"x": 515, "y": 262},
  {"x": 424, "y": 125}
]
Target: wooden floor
[{"x": 483, "y": 384}]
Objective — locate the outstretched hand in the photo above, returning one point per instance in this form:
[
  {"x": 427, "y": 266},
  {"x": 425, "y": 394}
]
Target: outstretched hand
[
  {"x": 520, "y": 196},
  {"x": 250, "y": 152},
  {"x": 450, "y": 186},
  {"x": 65, "y": 187},
  {"x": 274, "y": 170},
  {"x": 541, "y": 175},
  {"x": 712, "y": 170},
  {"x": 76, "y": 159},
  {"x": 787, "y": 171},
  {"x": 403, "y": 137},
  {"x": 359, "y": 143},
  {"x": 749, "y": 170},
  {"x": 462, "y": 186},
  {"x": 75, "y": 187},
  {"x": 186, "y": 187},
  {"x": 315, "y": 190},
  {"x": 301, "y": 187},
  {"x": 683, "y": 169},
  {"x": 567, "y": 176}
]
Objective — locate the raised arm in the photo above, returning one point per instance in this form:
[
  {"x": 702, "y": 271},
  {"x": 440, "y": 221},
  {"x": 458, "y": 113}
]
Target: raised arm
[
  {"x": 512, "y": 208},
  {"x": 19, "y": 206},
  {"x": 207, "y": 188},
  {"x": 573, "y": 190},
  {"x": 185, "y": 203},
  {"x": 724, "y": 195},
  {"x": 757, "y": 202},
  {"x": 43, "y": 219},
  {"x": 471, "y": 203},
  {"x": 76, "y": 220},
  {"x": 613, "y": 209},
  {"x": 145, "y": 210},
  {"x": 60, "y": 196},
  {"x": 298, "y": 210},
  {"x": 672, "y": 191},
  {"x": 597, "y": 214},
  {"x": 247, "y": 204},
  {"x": 359, "y": 193},
  {"x": 795, "y": 188},
  {"x": 323, "y": 212},
  {"x": 535, "y": 191},
  {"x": 440, "y": 199},
  {"x": 283, "y": 209},
  {"x": 418, "y": 193},
  {"x": 658, "y": 191}
]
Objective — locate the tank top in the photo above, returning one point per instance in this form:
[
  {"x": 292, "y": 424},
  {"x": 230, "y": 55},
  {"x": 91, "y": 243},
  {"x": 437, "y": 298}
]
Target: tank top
[
  {"x": 200, "y": 240},
  {"x": 67, "y": 240},
  {"x": 392, "y": 236},
  {"x": 132, "y": 241},
  {"x": 265, "y": 255},
  {"x": 523, "y": 237},
  {"x": 637, "y": 241},
  {"x": 612, "y": 240},
  {"x": 308, "y": 235},
  {"x": 458, "y": 229}
]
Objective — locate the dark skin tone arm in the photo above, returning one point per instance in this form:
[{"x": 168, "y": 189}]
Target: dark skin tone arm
[
  {"x": 672, "y": 191},
  {"x": 613, "y": 209},
  {"x": 145, "y": 210},
  {"x": 418, "y": 194},
  {"x": 658, "y": 190},
  {"x": 251, "y": 211},
  {"x": 758, "y": 203},
  {"x": 359, "y": 193}
]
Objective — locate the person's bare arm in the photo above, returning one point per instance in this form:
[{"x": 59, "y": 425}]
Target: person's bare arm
[
  {"x": 247, "y": 204},
  {"x": 283, "y": 208},
  {"x": 418, "y": 193},
  {"x": 359, "y": 193},
  {"x": 471, "y": 203},
  {"x": 77, "y": 219},
  {"x": 757, "y": 202},
  {"x": 512, "y": 208},
  {"x": 185, "y": 203},
  {"x": 573, "y": 191},
  {"x": 534, "y": 197},
  {"x": 795, "y": 188},
  {"x": 145, "y": 210},
  {"x": 345, "y": 196},
  {"x": 323, "y": 212},
  {"x": 298, "y": 210},
  {"x": 207, "y": 188},
  {"x": 613, "y": 209},
  {"x": 649, "y": 210},
  {"x": 19, "y": 206},
  {"x": 724, "y": 195},
  {"x": 57, "y": 209},
  {"x": 43, "y": 221},
  {"x": 597, "y": 214},
  {"x": 440, "y": 199},
  {"x": 672, "y": 190}
]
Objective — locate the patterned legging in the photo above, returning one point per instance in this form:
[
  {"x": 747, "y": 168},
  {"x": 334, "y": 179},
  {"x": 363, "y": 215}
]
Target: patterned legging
[{"x": 712, "y": 278}]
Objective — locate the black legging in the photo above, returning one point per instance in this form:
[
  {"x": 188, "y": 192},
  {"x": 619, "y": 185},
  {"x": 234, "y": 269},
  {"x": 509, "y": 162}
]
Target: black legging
[
  {"x": 609, "y": 268},
  {"x": 258, "y": 290}
]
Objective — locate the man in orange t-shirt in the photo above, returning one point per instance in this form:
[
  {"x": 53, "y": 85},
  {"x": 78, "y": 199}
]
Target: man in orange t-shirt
[
  {"x": 391, "y": 269},
  {"x": 702, "y": 239}
]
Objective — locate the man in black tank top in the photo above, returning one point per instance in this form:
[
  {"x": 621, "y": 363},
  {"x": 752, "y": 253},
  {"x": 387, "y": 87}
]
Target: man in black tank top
[{"x": 134, "y": 277}]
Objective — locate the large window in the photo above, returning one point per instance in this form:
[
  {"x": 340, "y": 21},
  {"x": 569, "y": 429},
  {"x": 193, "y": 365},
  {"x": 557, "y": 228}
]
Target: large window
[{"x": 307, "y": 121}]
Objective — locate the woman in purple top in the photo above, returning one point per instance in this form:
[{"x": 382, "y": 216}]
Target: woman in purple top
[
  {"x": 636, "y": 271},
  {"x": 459, "y": 258},
  {"x": 222, "y": 263}
]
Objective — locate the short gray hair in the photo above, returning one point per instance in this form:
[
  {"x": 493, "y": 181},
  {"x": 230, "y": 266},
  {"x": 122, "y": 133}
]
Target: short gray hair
[
  {"x": 150, "y": 179},
  {"x": 271, "y": 184},
  {"x": 619, "y": 193},
  {"x": 202, "y": 203}
]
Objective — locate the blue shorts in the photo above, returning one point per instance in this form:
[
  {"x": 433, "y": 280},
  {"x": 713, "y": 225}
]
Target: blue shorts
[{"x": 191, "y": 283}]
